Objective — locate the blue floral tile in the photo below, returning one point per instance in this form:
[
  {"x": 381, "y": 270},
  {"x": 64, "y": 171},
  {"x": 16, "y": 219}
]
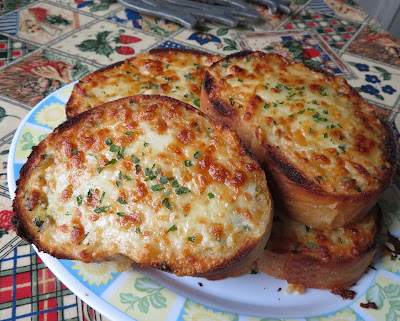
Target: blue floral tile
[
  {"x": 376, "y": 82},
  {"x": 171, "y": 44}
]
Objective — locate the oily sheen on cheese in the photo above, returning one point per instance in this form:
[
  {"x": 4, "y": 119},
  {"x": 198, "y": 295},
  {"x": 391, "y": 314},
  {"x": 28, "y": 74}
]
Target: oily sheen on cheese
[
  {"x": 147, "y": 178},
  {"x": 320, "y": 259},
  {"x": 317, "y": 138},
  {"x": 176, "y": 73}
]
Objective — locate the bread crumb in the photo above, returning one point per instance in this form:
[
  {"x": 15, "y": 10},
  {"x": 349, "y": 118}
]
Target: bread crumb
[{"x": 298, "y": 288}]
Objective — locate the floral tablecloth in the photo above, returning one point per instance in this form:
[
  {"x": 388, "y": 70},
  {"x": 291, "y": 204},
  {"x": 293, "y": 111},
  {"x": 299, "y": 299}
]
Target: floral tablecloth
[{"x": 47, "y": 44}]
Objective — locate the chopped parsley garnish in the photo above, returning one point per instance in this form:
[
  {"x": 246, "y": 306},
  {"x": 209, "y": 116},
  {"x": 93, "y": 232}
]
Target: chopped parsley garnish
[
  {"x": 172, "y": 228},
  {"x": 197, "y": 155},
  {"x": 151, "y": 85},
  {"x": 83, "y": 238},
  {"x": 291, "y": 115},
  {"x": 137, "y": 230},
  {"x": 103, "y": 209},
  {"x": 127, "y": 72},
  {"x": 188, "y": 163},
  {"x": 312, "y": 245},
  {"x": 301, "y": 111},
  {"x": 127, "y": 177},
  {"x": 175, "y": 183},
  {"x": 266, "y": 105},
  {"x": 314, "y": 102},
  {"x": 122, "y": 201},
  {"x": 317, "y": 118},
  {"x": 120, "y": 213},
  {"x": 108, "y": 141},
  {"x": 128, "y": 133},
  {"x": 182, "y": 190},
  {"x": 102, "y": 197},
  {"x": 325, "y": 135},
  {"x": 225, "y": 65},
  {"x": 89, "y": 194},
  {"x": 308, "y": 229},
  {"x": 118, "y": 183},
  {"x": 197, "y": 66},
  {"x": 114, "y": 148},
  {"x": 145, "y": 144},
  {"x": 210, "y": 195},
  {"x": 74, "y": 151},
  {"x": 163, "y": 180},
  {"x": 231, "y": 101},
  {"x": 89, "y": 96},
  {"x": 295, "y": 246},
  {"x": 38, "y": 222},
  {"x": 67, "y": 214},
  {"x": 149, "y": 173},
  {"x": 341, "y": 137},
  {"x": 197, "y": 102},
  {"x": 343, "y": 148},
  {"x": 157, "y": 187},
  {"x": 165, "y": 202},
  {"x": 322, "y": 91},
  {"x": 79, "y": 199},
  {"x": 167, "y": 193},
  {"x": 191, "y": 238},
  {"x": 135, "y": 159},
  {"x": 357, "y": 188},
  {"x": 189, "y": 76},
  {"x": 311, "y": 130},
  {"x": 121, "y": 153}
]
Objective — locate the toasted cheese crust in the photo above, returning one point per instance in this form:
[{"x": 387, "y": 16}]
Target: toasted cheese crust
[
  {"x": 149, "y": 178},
  {"x": 309, "y": 130},
  {"x": 320, "y": 259},
  {"x": 176, "y": 73}
]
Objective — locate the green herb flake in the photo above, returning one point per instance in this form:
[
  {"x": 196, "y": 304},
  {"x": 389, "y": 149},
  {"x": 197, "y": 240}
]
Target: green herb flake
[
  {"x": 93, "y": 155},
  {"x": 121, "y": 153},
  {"x": 89, "y": 96},
  {"x": 167, "y": 66},
  {"x": 357, "y": 188},
  {"x": 343, "y": 148},
  {"x": 188, "y": 163},
  {"x": 99, "y": 170},
  {"x": 308, "y": 228},
  {"x": 197, "y": 155},
  {"x": 182, "y": 190},
  {"x": 325, "y": 135},
  {"x": 128, "y": 133},
  {"x": 114, "y": 148},
  {"x": 111, "y": 162},
  {"x": 137, "y": 167},
  {"x": 89, "y": 194},
  {"x": 175, "y": 183},
  {"x": 145, "y": 144},
  {"x": 210, "y": 195},
  {"x": 83, "y": 238},
  {"x": 120, "y": 213},
  {"x": 167, "y": 193},
  {"x": 295, "y": 246},
  {"x": 172, "y": 228},
  {"x": 341, "y": 137},
  {"x": 74, "y": 151},
  {"x": 103, "y": 209},
  {"x": 102, "y": 197},
  {"x": 312, "y": 245},
  {"x": 291, "y": 115},
  {"x": 192, "y": 239},
  {"x": 127, "y": 72},
  {"x": 79, "y": 199},
  {"x": 301, "y": 111},
  {"x": 157, "y": 187},
  {"x": 135, "y": 159},
  {"x": 38, "y": 222},
  {"x": 108, "y": 141},
  {"x": 197, "y": 102},
  {"x": 137, "y": 230},
  {"x": 225, "y": 65},
  {"x": 266, "y": 105},
  {"x": 340, "y": 240},
  {"x": 67, "y": 214},
  {"x": 165, "y": 202},
  {"x": 311, "y": 130},
  {"x": 118, "y": 183},
  {"x": 163, "y": 180},
  {"x": 122, "y": 201},
  {"x": 189, "y": 76},
  {"x": 197, "y": 66}
]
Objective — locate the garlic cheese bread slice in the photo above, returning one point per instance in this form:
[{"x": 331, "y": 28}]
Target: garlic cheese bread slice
[
  {"x": 176, "y": 73},
  {"x": 326, "y": 155},
  {"x": 148, "y": 178}
]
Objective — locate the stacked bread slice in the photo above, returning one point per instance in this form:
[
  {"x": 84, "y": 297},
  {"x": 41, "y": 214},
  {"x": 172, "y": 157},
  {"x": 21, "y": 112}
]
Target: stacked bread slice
[
  {"x": 327, "y": 159},
  {"x": 326, "y": 156}
]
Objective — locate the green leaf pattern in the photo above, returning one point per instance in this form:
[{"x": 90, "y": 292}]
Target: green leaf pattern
[
  {"x": 379, "y": 295},
  {"x": 154, "y": 297}
]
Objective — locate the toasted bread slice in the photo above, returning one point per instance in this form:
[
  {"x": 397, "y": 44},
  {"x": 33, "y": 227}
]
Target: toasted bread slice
[
  {"x": 149, "y": 178},
  {"x": 327, "y": 157},
  {"x": 320, "y": 259},
  {"x": 176, "y": 73}
]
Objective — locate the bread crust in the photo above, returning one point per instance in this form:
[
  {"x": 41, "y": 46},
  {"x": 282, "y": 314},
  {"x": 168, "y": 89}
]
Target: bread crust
[
  {"x": 155, "y": 72},
  {"x": 31, "y": 197},
  {"x": 297, "y": 193},
  {"x": 321, "y": 259}
]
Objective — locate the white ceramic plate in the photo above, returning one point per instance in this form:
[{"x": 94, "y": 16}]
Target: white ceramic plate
[{"x": 145, "y": 294}]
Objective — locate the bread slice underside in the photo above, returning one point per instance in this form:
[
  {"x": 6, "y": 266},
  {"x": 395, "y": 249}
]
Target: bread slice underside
[
  {"x": 176, "y": 73},
  {"x": 320, "y": 259},
  {"x": 150, "y": 179},
  {"x": 327, "y": 156}
]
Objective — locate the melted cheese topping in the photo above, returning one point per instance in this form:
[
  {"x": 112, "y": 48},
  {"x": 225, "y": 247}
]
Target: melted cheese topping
[
  {"x": 289, "y": 236},
  {"x": 150, "y": 179},
  {"x": 318, "y": 123},
  {"x": 177, "y": 74}
]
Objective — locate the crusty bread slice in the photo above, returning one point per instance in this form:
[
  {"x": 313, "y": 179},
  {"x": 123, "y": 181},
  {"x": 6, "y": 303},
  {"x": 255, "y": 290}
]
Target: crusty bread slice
[
  {"x": 176, "y": 73},
  {"x": 327, "y": 157},
  {"x": 320, "y": 259},
  {"x": 149, "y": 178}
]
